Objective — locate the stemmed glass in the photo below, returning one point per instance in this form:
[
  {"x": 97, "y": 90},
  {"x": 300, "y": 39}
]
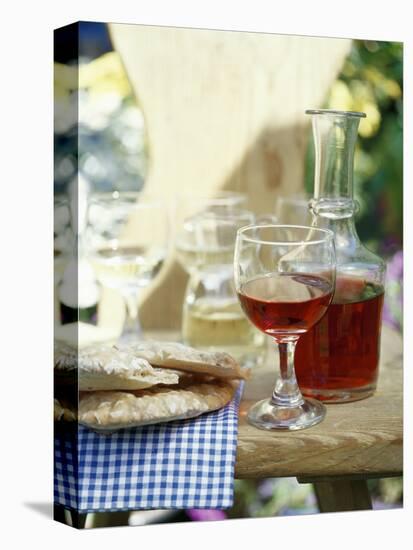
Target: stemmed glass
[
  {"x": 129, "y": 234},
  {"x": 284, "y": 277}
]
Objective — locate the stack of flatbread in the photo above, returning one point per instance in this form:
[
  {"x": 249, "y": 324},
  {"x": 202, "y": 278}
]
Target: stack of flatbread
[{"x": 143, "y": 383}]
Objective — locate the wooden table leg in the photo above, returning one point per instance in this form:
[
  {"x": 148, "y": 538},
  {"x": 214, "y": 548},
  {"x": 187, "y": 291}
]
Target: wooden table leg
[
  {"x": 59, "y": 514},
  {"x": 69, "y": 517},
  {"x": 111, "y": 519},
  {"x": 78, "y": 520},
  {"x": 342, "y": 496}
]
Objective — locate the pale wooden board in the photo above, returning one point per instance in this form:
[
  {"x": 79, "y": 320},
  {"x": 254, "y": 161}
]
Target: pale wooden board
[
  {"x": 223, "y": 110},
  {"x": 364, "y": 437}
]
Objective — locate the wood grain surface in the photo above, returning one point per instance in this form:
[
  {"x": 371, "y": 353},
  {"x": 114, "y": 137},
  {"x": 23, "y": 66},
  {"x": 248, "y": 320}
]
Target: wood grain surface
[{"x": 360, "y": 438}]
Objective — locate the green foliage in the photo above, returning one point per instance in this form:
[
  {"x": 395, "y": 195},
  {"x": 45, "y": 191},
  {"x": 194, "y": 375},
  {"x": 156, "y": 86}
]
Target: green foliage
[
  {"x": 371, "y": 81},
  {"x": 285, "y": 496},
  {"x": 271, "y": 497}
]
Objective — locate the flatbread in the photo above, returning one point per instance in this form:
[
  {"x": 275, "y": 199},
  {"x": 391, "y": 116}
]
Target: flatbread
[
  {"x": 105, "y": 367},
  {"x": 172, "y": 355},
  {"x": 113, "y": 410}
]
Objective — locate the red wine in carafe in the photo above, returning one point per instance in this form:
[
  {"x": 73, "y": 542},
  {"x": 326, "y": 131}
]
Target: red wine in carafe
[
  {"x": 338, "y": 359},
  {"x": 340, "y": 354}
]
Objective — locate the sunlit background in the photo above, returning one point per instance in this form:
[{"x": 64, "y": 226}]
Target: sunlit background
[{"x": 111, "y": 140}]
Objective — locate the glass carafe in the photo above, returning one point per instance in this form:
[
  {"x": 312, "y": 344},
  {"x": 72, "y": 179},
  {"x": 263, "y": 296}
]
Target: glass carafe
[{"x": 337, "y": 360}]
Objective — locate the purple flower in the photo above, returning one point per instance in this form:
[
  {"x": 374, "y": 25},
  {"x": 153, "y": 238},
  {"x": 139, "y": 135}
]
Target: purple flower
[
  {"x": 395, "y": 267},
  {"x": 393, "y": 302},
  {"x": 389, "y": 245},
  {"x": 206, "y": 515},
  {"x": 266, "y": 488}
]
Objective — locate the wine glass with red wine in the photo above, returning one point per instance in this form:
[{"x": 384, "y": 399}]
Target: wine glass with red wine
[{"x": 284, "y": 277}]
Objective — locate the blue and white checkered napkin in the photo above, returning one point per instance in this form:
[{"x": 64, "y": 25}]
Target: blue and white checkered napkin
[{"x": 181, "y": 464}]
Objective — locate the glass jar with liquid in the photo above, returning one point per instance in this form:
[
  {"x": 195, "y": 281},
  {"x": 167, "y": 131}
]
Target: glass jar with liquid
[{"x": 212, "y": 316}]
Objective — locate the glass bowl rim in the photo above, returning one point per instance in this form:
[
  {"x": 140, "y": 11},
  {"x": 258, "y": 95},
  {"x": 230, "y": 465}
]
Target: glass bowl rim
[
  {"x": 335, "y": 112},
  {"x": 329, "y": 235}
]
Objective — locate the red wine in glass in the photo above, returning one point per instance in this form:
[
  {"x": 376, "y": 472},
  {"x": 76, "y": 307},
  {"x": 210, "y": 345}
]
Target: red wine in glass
[
  {"x": 284, "y": 276},
  {"x": 285, "y": 304}
]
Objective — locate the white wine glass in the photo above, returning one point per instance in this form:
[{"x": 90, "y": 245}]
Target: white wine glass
[{"x": 128, "y": 236}]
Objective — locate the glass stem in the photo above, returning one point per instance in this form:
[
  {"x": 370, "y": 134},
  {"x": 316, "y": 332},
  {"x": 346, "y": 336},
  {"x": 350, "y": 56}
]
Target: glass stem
[
  {"x": 132, "y": 328},
  {"x": 286, "y": 392}
]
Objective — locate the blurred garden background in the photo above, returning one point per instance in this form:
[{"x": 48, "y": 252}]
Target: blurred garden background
[
  {"x": 372, "y": 81},
  {"x": 114, "y": 146}
]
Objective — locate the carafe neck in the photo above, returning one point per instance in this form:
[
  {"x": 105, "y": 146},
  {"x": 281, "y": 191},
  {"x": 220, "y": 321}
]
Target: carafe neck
[
  {"x": 344, "y": 229},
  {"x": 335, "y": 134}
]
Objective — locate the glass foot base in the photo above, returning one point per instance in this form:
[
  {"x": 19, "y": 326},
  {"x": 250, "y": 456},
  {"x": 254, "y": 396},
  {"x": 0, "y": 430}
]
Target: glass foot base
[
  {"x": 345, "y": 395},
  {"x": 267, "y": 416}
]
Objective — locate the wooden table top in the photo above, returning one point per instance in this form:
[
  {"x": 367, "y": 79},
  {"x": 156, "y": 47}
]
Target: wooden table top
[
  {"x": 363, "y": 438},
  {"x": 360, "y": 438}
]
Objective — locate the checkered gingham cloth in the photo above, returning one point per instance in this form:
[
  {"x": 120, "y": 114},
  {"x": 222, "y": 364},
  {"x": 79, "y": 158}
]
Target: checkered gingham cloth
[{"x": 181, "y": 464}]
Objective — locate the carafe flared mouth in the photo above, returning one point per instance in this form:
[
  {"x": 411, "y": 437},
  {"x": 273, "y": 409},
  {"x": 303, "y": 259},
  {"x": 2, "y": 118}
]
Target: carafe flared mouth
[
  {"x": 335, "y": 113},
  {"x": 335, "y": 134}
]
